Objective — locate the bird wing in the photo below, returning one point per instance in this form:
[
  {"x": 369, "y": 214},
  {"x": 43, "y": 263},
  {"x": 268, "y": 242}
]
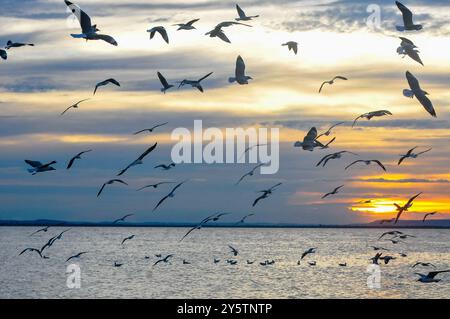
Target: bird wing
[
  {"x": 83, "y": 18},
  {"x": 190, "y": 23},
  {"x": 357, "y": 161},
  {"x": 413, "y": 54},
  {"x": 264, "y": 195},
  {"x": 222, "y": 36},
  {"x": 201, "y": 79},
  {"x": 326, "y": 195},
  {"x": 426, "y": 103},
  {"x": 408, "y": 41},
  {"x": 101, "y": 190},
  {"x": 324, "y": 159},
  {"x": 406, "y": 13},
  {"x": 412, "y": 199},
  {"x": 380, "y": 164},
  {"x": 276, "y": 185},
  {"x": 113, "y": 81},
  {"x": 71, "y": 162},
  {"x": 420, "y": 153},
  {"x": 3, "y": 54},
  {"x": 159, "y": 125},
  {"x": 66, "y": 110},
  {"x": 294, "y": 47},
  {"x": 162, "y": 79},
  {"x": 361, "y": 116},
  {"x": 240, "y": 67},
  {"x": 242, "y": 177},
  {"x": 150, "y": 149},
  {"x": 190, "y": 230},
  {"x": 163, "y": 33},
  {"x": 160, "y": 202},
  {"x": 401, "y": 159},
  {"x": 240, "y": 12},
  {"x": 413, "y": 82},
  {"x": 321, "y": 86},
  {"x": 340, "y": 77},
  {"x": 433, "y": 274},
  {"x": 34, "y": 164},
  {"x": 106, "y": 38},
  {"x": 311, "y": 136}
]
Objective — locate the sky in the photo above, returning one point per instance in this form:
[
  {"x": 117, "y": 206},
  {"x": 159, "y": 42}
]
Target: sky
[{"x": 38, "y": 83}]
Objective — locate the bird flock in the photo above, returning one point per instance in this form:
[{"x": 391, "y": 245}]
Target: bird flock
[{"x": 90, "y": 32}]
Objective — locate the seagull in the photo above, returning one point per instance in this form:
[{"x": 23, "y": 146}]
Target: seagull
[
  {"x": 161, "y": 30},
  {"x": 232, "y": 262},
  {"x": 139, "y": 160},
  {"x": 307, "y": 252},
  {"x": 165, "y": 167},
  {"x": 52, "y": 240},
  {"x": 112, "y": 181},
  {"x": 116, "y": 264},
  {"x": 164, "y": 260},
  {"x": 331, "y": 82},
  {"x": 251, "y": 173},
  {"x": 38, "y": 167},
  {"x": 78, "y": 156},
  {"x": 11, "y": 44},
  {"x": 404, "y": 208},
  {"x": 365, "y": 201},
  {"x": 408, "y": 24},
  {"x": 186, "y": 262},
  {"x": 215, "y": 217},
  {"x": 378, "y": 248},
  {"x": 89, "y": 31},
  {"x": 250, "y": 148},
  {"x": 328, "y": 157},
  {"x": 387, "y": 259},
  {"x": 408, "y": 48},
  {"x": 403, "y": 255},
  {"x": 312, "y": 263},
  {"x": 216, "y": 260},
  {"x": 242, "y": 15},
  {"x": 75, "y": 106},
  {"x": 428, "y": 214},
  {"x": 250, "y": 262},
  {"x": 368, "y": 162},
  {"x": 369, "y": 115},
  {"x": 76, "y": 256},
  {"x": 154, "y": 185},
  {"x": 103, "y": 83},
  {"x": 292, "y": 45},
  {"x": 343, "y": 264},
  {"x": 335, "y": 191},
  {"x": 194, "y": 83},
  {"x": 170, "y": 195},
  {"x": 403, "y": 236},
  {"x": 122, "y": 219},
  {"x": 240, "y": 76},
  {"x": 430, "y": 276},
  {"x": 420, "y": 95},
  {"x": 423, "y": 265},
  {"x": 218, "y": 32},
  {"x": 328, "y": 132},
  {"x": 410, "y": 154},
  {"x": 265, "y": 194},
  {"x": 127, "y": 238},
  {"x": 164, "y": 83},
  {"x": 150, "y": 130},
  {"x": 32, "y": 249},
  {"x": 3, "y": 54},
  {"x": 376, "y": 258},
  {"x": 45, "y": 229},
  {"x": 234, "y": 251},
  {"x": 393, "y": 233},
  {"x": 244, "y": 218},
  {"x": 310, "y": 141},
  {"x": 187, "y": 25}
]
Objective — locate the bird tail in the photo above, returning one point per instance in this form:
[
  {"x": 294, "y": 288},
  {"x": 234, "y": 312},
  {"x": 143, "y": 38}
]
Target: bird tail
[
  {"x": 78, "y": 36},
  {"x": 408, "y": 93},
  {"x": 231, "y": 80}
]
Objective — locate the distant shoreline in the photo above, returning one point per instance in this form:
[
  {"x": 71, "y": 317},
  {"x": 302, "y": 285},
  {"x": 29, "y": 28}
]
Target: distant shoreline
[{"x": 411, "y": 224}]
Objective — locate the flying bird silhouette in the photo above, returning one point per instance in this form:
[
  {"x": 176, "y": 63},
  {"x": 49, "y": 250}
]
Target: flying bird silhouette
[
  {"x": 334, "y": 192},
  {"x": 110, "y": 182},
  {"x": 410, "y": 154},
  {"x": 408, "y": 24},
  {"x": 310, "y": 141},
  {"x": 370, "y": 115},
  {"x": 292, "y": 45},
  {"x": 194, "y": 83},
  {"x": 405, "y": 208},
  {"x": 265, "y": 193},
  {"x": 127, "y": 238},
  {"x": 170, "y": 195},
  {"x": 76, "y": 256},
  {"x": 329, "y": 157},
  {"x": 75, "y": 106},
  {"x": 239, "y": 75},
  {"x": 165, "y": 84},
  {"x": 186, "y": 26},
  {"x": 428, "y": 214},
  {"x": 416, "y": 91},
  {"x": 242, "y": 15},
  {"x": 161, "y": 30},
  {"x": 38, "y": 167},
  {"x": 331, "y": 82},
  {"x": 328, "y": 132},
  {"x": 150, "y": 130},
  {"x": 251, "y": 173},
  {"x": 106, "y": 82},
  {"x": 218, "y": 32},
  {"x": 122, "y": 219},
  {"x": 78, "y": 156},
  {"x": 367, "y": 162},
  {"x": 408, "y": 48},
  {"x": 11, "y": 44},
  {"x": 139, "y": 160}
]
